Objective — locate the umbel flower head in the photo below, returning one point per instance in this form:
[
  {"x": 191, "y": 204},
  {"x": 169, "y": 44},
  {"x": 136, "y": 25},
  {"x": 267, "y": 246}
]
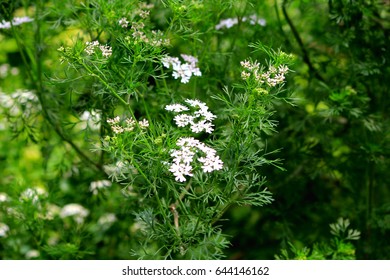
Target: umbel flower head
[
  {"x": 184, "y": 156},
  {"x": 182, "y": 70},
  {"x": 199, "y": 120}
]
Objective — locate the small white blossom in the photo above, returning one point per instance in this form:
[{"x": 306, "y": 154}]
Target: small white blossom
[
  {"x": 95, "y": 186},
  {"x": 106, "y": 220},
  {"x": 182, "y": 70},
  {"x": 90, "y": 119},
  {"x": 32, "y": 254},
  {"x": 118, "y": 129},
  {"x": 144, "y": 14},
  {"x": 33, "y": 194},
  {"x": 3, "y": 197},
  {"x": 115, "y": 120},
  {"x": 230, "y": 22},
  {"x": 184, "y": 156},
  {"x": 176, "y": 108},
  {"x": 226, "y": 23},
  {"x": 15, "y": 21},
  {"x": 106, "y": 50},
  {"x": 123, "y": 22},
  {"x": 273, "y": 77},
  {"x": 3, "y": 230},
  {"x": 183, "y": 120},
  {"x": 143, "y": 124},
  {"x": 76, "y": 211},
  {"x": 90, "y": 49},
  {"x": 199, "y": 121}
]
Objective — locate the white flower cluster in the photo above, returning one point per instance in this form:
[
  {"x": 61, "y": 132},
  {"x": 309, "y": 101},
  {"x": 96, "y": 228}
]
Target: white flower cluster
[
  {"x": 182, "y": 70},
  {"x": 32, "y": 254},
  {"x": 15, "y": 21},
  {"x": 183, "y": 157},
  {"x": 90, "y": 119},
  {"x": 95, "y": 186},
  {"x": 91, "y": 47},
  {"x": 21, "y": 102},
  {"x": 76, "y": 211},
  {"x": 106, "y": 220},
  {"x": 230, "y": 22},
  {"x": 33, "y": 194},
  {"x": 6, "y": 69},
  {"x": 200, "y": 120},
  {"x": 273, "y": 77},
  {"x": 129, "y": 125},
  {"x": 3, "y": 230},
  {"x": 139, "y": 34},
  {"x": 3, "y": 197}
]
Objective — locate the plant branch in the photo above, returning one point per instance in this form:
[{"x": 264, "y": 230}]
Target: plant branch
[{"x": 298, "y": 38}]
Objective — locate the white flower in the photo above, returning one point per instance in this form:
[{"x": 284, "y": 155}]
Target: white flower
[
  {"x": 176, "y": 108},
  {"x": 78, "y": 212},
  {"x": 230, "y": 22},
  {"x": 32, "y": 254},
  {"x": 95, "y": 186},
  {"x": 91, "y": 46},
  {"x": 3, "y": 197},
  {"x": 182, "y": 70},
  {"x": 90, "y": 49},
  {"x": 184, "y": 156},
  {"x": 183, "y": 120},
  {"x": 15, "y": 21},
  {"x": 106, "y": 220},
  {"x": 33, "y": 194},
  {"x": 143, "y": 124},
  {"x": 199, "y": 121},
  {"x": 106, "y": 50},
  {"x": 226, "y": 23},
  {"x": 123, "y": 22},
  {"x": 90, "y": 119},
  {"x": 115, "y": 120},
  {"x": 3, "y": 230},
  {"x": 190, "y": 59},
  {"x": 52, "y": 211},
  {"x": 167, "y": 61}
]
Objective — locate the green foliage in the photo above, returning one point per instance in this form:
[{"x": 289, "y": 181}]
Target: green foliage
[{"x": 336, "y": 249}]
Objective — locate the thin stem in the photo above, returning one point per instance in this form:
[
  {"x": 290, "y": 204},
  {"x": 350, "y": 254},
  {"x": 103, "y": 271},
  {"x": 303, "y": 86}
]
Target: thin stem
[{"x": 298, "y": 38}]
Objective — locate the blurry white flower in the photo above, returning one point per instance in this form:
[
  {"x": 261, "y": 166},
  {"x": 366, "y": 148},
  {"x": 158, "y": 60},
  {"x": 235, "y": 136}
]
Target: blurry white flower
[
  {"x": 143, "y": 124},
  {"x": 95, "y": 186},
  {"x": 33, "y": 194},
  {"x": 3, "y": 230},
  {"x": 3, "y": 197},
  {"x": 129, "y": 125},
  {"x": 123, "y": 22},
  {"x": 15, "y": 21},
  {"x": 226, "y": 23},
  {"x": 52, "y": 211},
  {"x": 106, "y": 50},
  {"x": 90, "y": 119},
  {"x": 91, "y": 47},
  {"x": 32, "y": 254},
  {"x": 230, "y": 22},
  {"x": 78, "y": 212},
  {"x": 106, "y": 220}
]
